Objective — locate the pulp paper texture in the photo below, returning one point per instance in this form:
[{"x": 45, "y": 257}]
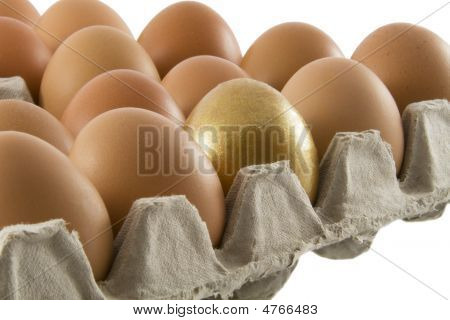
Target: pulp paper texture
[
  {"x": 14, "y": 88},
  {"x": 163, "y": 250}
]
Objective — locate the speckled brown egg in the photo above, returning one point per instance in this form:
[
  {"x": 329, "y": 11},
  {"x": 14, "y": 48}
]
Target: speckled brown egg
[
  {"x": 88, "y": 53},
  {"x": 116, "y": 89},
  {"x": 22, "y": 53},
  {"x": 131, "y": 153},
  {"x": 39, "y": 183},
  {"x": 340, "y": 95},
  {"x": 21, "y": 10},
  {"x": 412, "y": 61},
  {"x": 18, "y": 115},
  {"x": 280, "y": 51},
  {"x": 186, "y": 29},
  {"x": 68, "y": 16},
  {"x": 190, "y": 80}
]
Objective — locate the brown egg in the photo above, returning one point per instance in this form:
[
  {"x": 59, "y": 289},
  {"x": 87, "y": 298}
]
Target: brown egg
[
  {"x": 280, "y": 51},
  {"x": 337, "y": 95},
  {"x": 22, "y": 53},
  {"x": 186, "y": 29},
  {"x": 18, "y": 115},
  {"x": 190, "y": 80},
  {"x": 412, "y": 61},
  {"x": 39, "y": 183},
  {"x": 131, "y": 153},
  {"x": 124, "y": 88},
  {"x": 88, "y": 53},
  {"x": 68, "y": 16},
  {"x": 21, "y": 10}
]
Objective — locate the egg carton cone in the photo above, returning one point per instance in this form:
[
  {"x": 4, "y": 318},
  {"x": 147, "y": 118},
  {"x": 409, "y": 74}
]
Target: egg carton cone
[
  {"x": 163, "y": 250},
  {"x": 14, "y": 88}
]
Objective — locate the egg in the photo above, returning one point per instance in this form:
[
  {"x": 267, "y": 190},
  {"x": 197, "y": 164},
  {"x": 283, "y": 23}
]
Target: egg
[
  {"x": 186, "y": 29},
  {"x": 280, "y": 51},
  {"x": 86, "y": 54},
  {"x": 190, "y": 80},
  {"x": 21, "y": 10},
  {"x": 68, "y": 16},
  {"x": 18, "y": 115},
  {"x": 39, "y": 183},
  {"x": 244, "y": 122},
  {"x": 131, "y": 153},
  {"x": 125, "y": 88},
  {"x": 22, "y": 53},
  {"x": 412, "y": 61},
  {"x": 339, "y": 95}
]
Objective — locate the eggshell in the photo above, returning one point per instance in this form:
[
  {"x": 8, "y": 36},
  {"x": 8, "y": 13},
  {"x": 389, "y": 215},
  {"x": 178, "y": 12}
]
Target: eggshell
[
  {"x": 131, "y": 153},
  {"x": 190, "y": 80},
  {"x": 22, "y": 53},
  {"x": 186, "y": 29},
  {"x": 244, "y": 122},
  {"x": 86, "y": 54},
  {"x": 412, "y": 61},
  {"x": 280, "y": 51},
  {"x": 124, "y": 88},
  {"x": 340, "y": 95},
  {"x": 21, "y": 10},
  {"x": 18, "y": 115},
  {"x": 68, "y": 16},
  {"x": 39, "y": 183}
]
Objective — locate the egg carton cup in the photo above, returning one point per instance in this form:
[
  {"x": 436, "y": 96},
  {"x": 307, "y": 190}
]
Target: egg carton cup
[
  {"x": 163, "y": 250},
  {"x": 14, "y": 88}
]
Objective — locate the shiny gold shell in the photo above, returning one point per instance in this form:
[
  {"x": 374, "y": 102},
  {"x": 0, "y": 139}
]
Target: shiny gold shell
[{"x": 243, "y": 122}]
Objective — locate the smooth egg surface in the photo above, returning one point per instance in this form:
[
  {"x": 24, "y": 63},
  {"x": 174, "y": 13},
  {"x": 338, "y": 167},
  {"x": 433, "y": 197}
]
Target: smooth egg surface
[
  {"x": 280, "y": 51},
  {"x": 22, "y": 10},
  {"x": 186, "y": 29},
  {"x": 412, "y": 61},
  {"x": 132, "y": 153},
  {"x": 340, "y": 95},
  {"x": 18, "y": 115},
  {"x": 22, "y": 53},
  {"x": 190, "y": 80},
  {"x": 39, "y": 183},
  {"x": 68, "y": 16},
  {"x": 86, "y": 54},
  {"x": 116, "y": 89}
]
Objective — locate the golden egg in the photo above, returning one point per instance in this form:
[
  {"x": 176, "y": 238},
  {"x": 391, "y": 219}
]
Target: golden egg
[{"x": 244, "y": 122}]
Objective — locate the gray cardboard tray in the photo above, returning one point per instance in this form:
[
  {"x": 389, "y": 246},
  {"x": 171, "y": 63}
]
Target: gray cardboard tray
[{"x": 163, "y": 250}]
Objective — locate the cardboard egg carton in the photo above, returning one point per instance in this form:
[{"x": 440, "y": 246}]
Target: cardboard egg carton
[
  {"x": 14, "y": 88},
  {"x": 163, "y": 250}
]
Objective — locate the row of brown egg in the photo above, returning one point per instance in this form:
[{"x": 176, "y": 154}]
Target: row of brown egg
[{"x": 101, "y": 86}]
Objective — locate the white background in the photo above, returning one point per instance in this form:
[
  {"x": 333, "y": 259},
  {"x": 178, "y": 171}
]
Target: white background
[{"x": 368, "y": 287}]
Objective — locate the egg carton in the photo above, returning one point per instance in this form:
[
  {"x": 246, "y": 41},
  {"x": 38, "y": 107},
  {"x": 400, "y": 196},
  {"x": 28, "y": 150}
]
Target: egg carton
[
  {"x": 14, "y": 88},
  {"x": 163, "y": 250}
]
